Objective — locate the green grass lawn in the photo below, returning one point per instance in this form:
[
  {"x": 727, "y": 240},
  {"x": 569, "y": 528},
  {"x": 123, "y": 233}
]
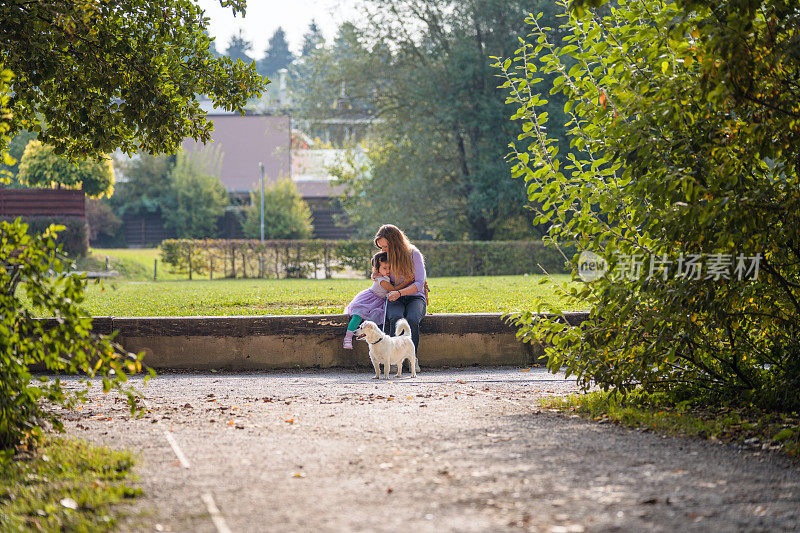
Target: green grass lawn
[
  {"x": 302, "y": 296},
  {"x": 65, "y": 485},
  {"x": 132, "y": 263},
  {"x": 136, "y": 294}
]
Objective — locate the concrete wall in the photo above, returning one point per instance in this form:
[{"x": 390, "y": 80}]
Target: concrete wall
[{"x": 273, "y": 342}]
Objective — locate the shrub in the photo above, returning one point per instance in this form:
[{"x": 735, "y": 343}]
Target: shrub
[
  {"x": 286, "y": 214},
  {"x": 296, "y": 258},
  {"x": 675, "y": 121},
  {"x": 66, "y": 344},
  {"x": 73, "y": 238},
  {"x": 198, "y": 199},
  {"x": 103, "y": 224}
]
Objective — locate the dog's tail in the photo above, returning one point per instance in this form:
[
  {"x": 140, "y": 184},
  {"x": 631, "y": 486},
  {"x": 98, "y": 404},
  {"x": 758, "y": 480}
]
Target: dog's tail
[{"x": 402, "y": 328}]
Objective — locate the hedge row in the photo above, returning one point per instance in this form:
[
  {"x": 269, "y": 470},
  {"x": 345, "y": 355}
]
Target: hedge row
[
  {"x": 74, "y": 239},
  {"x": 303, "y": 258}
]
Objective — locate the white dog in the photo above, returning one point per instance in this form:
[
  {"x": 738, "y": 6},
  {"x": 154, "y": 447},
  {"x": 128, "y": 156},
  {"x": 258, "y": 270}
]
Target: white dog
[{"x": 387, "y": 350}]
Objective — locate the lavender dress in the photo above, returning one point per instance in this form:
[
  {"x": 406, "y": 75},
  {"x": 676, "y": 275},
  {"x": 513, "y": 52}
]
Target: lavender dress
[{"x": 369, "y": 304}]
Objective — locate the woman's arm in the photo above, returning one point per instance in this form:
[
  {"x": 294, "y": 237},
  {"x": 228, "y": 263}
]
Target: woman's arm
[{"x": 403, "y": 285}]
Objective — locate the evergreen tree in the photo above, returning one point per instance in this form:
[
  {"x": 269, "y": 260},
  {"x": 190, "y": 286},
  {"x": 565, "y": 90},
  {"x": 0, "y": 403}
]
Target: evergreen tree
[
  {"x": 312, "y": 40},
  {"x": 239, "y": 47},
  {"x": 212, "y": 46},
  {"x": 276, "y": 56}
]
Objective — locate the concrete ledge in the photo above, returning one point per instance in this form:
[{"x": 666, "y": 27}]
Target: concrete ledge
[{"x": 279, "y": 341}]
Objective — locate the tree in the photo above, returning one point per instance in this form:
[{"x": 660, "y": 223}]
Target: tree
[
  {"x": 198, "y": 199},
  {"x": 16, "y": 147},
  {"x": 422, "y": 69},
  {"x": 286, "y": 214},
  {"x": 683, "y": 178},
  {"x": 276, "y": 56},
  {"x": 91, "y": 78},
  {"x": 312, "y": 40},
  {"x": 145, "y": 188},
  {"x": 41, "y": 167},
  {"x": 103, "y": 223},
  {"x": 328, "y": 75},
  {"x": 239, "y": 47}
]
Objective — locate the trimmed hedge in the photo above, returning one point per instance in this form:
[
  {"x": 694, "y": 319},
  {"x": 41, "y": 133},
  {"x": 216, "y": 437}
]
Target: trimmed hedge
[
  {"x": 74, "y": 239},
  {"x": 301, "y": 258}
]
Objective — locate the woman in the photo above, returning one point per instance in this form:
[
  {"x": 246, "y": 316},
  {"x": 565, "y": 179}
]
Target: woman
[{"x": 407, "y": 265}]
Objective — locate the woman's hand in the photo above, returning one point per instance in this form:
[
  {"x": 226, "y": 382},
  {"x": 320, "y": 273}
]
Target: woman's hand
[
  {"x": 394, "y": 295},
  {"x": 375, "y": 276}
]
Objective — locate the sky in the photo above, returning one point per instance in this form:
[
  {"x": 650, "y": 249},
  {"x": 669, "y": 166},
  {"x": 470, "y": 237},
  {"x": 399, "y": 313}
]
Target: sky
[{"x": 264, "y": 17}]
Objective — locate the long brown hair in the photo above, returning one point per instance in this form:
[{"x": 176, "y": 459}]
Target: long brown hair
[{"x": 399, "y": 252}]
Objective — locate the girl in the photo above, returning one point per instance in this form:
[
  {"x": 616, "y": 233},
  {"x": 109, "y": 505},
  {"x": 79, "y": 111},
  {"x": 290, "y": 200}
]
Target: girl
[{"x": 370, "y": 304}]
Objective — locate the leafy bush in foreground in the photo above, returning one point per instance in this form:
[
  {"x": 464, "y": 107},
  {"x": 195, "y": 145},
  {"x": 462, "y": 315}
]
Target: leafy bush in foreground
[
  {"x": 65, "y": 344},
  {"x": 685, "y": 142}
]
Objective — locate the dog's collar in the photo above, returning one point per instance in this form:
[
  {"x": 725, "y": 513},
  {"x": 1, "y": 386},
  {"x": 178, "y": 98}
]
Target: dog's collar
[{"x": 376, "y": 342}]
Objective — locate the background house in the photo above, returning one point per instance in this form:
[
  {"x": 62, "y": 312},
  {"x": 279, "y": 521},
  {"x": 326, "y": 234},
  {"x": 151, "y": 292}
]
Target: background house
[{"x": 239, "y": 143}]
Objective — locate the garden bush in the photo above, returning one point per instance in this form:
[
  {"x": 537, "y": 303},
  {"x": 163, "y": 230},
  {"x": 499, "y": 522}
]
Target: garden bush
[
  {"x": 682, "y": 176},
  {"x": 298, "y": 258},
  {"x": 66, "y": 344},
  {"x": 73, "y": 238}
]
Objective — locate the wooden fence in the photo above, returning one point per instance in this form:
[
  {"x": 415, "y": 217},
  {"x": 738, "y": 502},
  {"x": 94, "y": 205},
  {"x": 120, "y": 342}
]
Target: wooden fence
[{"x": 42, "y": 202}]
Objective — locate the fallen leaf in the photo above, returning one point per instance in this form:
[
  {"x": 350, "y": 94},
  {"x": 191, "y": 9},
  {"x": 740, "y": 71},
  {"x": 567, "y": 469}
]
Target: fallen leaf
[{"x": 69, "y": 503}]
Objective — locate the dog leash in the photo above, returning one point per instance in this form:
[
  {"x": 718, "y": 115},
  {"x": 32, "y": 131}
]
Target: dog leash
[{"x": 385, "y": 306}]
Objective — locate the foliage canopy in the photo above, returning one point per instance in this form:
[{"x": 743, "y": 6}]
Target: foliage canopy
[
  {"x": 421, "y": 69},
  {"x": 41, "y": 167},
  {"x": 92, "y": 77},
  {"x": 684, "y": 147},
  {"x": 286, "y": 214}
]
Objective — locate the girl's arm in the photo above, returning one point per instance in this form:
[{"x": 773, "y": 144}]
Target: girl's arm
[{"x": 388, "y": 286}]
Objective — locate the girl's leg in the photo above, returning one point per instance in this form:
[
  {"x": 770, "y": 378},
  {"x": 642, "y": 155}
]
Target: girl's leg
[
  {"x": 355, "y": 321},
  {"x": 347, "y": 344}
]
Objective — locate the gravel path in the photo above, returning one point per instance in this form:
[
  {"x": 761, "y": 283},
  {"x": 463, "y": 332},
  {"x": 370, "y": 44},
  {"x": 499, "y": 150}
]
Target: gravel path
[{"x": 452, "y": 450}]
